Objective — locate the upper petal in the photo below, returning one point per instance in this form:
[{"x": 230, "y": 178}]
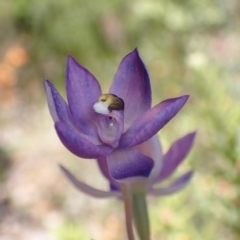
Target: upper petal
[
  {"x": 87, "y": 189},
  {"x": 177, "y": 185},
  {"x": 175, "y": 155},
  {"x": 131, "y": 83},
  {"x": 127, "y": 164},
  {"x": 83, "y": 90},
  {"x": 57, "y": 106},
  {"x": 80, "y": 144},
  {"x": 152, "y": 121}
]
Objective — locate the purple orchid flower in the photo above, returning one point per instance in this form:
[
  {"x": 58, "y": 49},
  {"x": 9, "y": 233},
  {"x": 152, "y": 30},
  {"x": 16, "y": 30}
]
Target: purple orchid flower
[{"x": 119, "y": 128}]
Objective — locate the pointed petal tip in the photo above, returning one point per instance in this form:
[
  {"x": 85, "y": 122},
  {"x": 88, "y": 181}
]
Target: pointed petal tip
[
  {"x": 188, "y": 175},
  {"x": 181, "y": 100},
  {"x": 134, "y": 53},
  {"x": 46, "y": 83},
  {"x": 70, "y": 57},
  {"x": 62, "y": 168},
  {"x": 192, "y": 135},
  {"x": 71, "y": 61},
  {"x": 185, "y": 178},
  {"x": 135, "y": 50},
  {"x": 48, "y": 86},
  {"x": 184, "y": 97}
]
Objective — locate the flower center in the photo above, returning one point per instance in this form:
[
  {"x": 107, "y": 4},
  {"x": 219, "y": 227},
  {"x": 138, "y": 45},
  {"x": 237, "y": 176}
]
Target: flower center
[
  {"x": 110, "y": 119},
  {"x": 109, "y": 128}
]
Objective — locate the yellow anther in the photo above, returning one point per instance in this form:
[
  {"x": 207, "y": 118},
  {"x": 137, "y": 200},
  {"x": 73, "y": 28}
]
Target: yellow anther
[{"x": 112, "y": 101}]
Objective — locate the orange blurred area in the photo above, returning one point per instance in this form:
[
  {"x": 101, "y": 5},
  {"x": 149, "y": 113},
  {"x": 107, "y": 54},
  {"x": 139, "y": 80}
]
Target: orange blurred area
[
  {"x": 8, "y": 75},
  {"x": 16, "y": 56}
]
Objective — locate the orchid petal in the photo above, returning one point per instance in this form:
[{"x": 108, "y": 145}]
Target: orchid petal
[
  {"x": 80, "y": 144},
  {"x": 152, "y": 121},
  {"x": 177, "y": 185},
  {"x": 57, "y": 106},
  {"x": 128, "y": 163},
  {"x": 86, "y": 188},
  {"x": 83, "y": 90},
  {"x": 131, "y": 83},
  {"x": 175, "y": 155}
]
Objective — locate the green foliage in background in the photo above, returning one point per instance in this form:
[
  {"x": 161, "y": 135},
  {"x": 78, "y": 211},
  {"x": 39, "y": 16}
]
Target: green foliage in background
[{"x": 189, "y": 47}]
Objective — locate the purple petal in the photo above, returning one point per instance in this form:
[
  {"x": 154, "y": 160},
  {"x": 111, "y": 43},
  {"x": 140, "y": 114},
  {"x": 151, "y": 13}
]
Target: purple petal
[
  {"x": 102, "y": 163},
  {"x": 83, "y": 90},
  {"x": 87, "y": 189},
  {"x": 80, "y": 144},
  {"x": 131, "y": 83},
  {"x": 152, "y": 121},
  {"x": 128, "y": 163},
  {"x": 114, "y": 187},
  {"x": 177, "y": 185},
  {"x": 57, "y": 106},
  {"x": 175, "y": 155}
]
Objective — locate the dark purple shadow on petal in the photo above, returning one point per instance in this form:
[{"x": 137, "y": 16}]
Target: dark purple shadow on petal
[
  {"x": 79, "y": 144},
  {"x": 177, "y": 185},
  {"x": 86, "y": 188},
  {"x": 175, "y": 155},
  {"x": 114, "y": 187},
  {"x": 83, "y": 90},
  {"x": 57, "y": 106},
  {"x": 131, "y": 83},
  {"x": 128, "y": 163},
  {"x": 102, "y": 163},
  {"x": 152, "y": 121}
]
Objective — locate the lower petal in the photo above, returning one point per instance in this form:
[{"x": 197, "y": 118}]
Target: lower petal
[
  {"x": 175, "y": 155},
  {"x": 176, "y": 186},
  {"x": 78, "y": 143},
  {"x": 129, "y": 164},
  {"x": 87, "y": 189}
]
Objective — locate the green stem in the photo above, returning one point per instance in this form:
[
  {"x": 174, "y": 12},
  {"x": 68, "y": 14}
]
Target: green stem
[
  {"x": 127, "y": 199},
  {"x": 140, "y": 214}
]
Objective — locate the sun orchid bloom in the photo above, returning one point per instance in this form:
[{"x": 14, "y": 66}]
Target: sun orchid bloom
[{"x": 118, "y": 129}]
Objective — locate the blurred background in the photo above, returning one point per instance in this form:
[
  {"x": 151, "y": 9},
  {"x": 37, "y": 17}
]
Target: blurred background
[{"x": 189, "y": 47}]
